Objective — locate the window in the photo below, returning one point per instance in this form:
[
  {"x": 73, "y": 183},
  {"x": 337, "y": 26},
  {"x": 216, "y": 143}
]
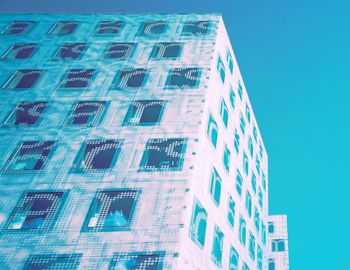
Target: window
[
  {"x": 26, "y": 113},
  {"x": 218, "y": 242},
  {"x": 260, "y": 150},
  {"x": 78, "y": 78},
  {"x": 242, "y": 123},
  {"x": 242, "y": 231},
  {"x": 111, "y": 210},
  {"x": 257, "y": 219},
  {"x": 240, "y": 90},
  {"x": 36, "y": 211},
  {"x": 239, "y": 182},
  {"x": 196, "y": 28},
  {"x": 18, "y": 27},
  {"x": 212, "y": 131},
  {"x": 109, "y": 27},
  {"x": 263, "y": 233},
  {"x": 215, "y": 187},
  {"x": 245, "y": 266},
  {"x": 59, "y": 261},
  {"x": 245, "y": 164},
  {"x": 255, "y": 133},
  {"x": 271, "y": 227},
  {"x": 250, "y": 147},
  {"x": 20, "y": 51},
  {"x": 64, "y": 28},
  {"x": 226, "y": 158},
  {"x": 166, "y": 50},
  {"x": 97, "y": 155},
  {"x": 260, "y": 258},
  {"x": 130, "y": 79},
  {"x": 248, "y": 203},
  {"x": 257, "y": 165},
  {"x": 263, "y": 181},
  {"x": 183, "y": 78},
  {"x": 153, "y": 28},
  {"x": 234, "y": 259},
  {"x": 224, "y": 112},
  {"x": 232, "y": 98},
  {"x": 120, "y": 50},
  {"x": 260, "y": 194},
  {"x": 272, "y": 265},
  {"x": 251, "y": 246},
  {"x": 247, "y": 112},
  {"x": 236, "y": 141},
  {"x": 144, "y": 112},
  {"x": 198, "y": 225},
  {"x": 163, "y": 155},
  {"x": 229, "y": 61},
  {"x": 138, "y": 261},
  {"x": 221, "y": 69},
  {"x": 29, "y": 157},
  {"x": 253, "y": 182},
  {"x": 278, "y": 245},
  {"x": 231, "y": 212},
  {"x": 87, "y": 113},
  {"x": 23, "y": 79},
  {"x": 70, "y": 51}
]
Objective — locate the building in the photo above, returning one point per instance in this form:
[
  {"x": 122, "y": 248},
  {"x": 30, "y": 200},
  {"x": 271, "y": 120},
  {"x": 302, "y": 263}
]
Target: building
[{"x": 128, "y": 142}]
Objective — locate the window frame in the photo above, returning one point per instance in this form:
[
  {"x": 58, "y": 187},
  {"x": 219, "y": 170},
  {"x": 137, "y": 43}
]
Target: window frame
[
  {"x": 11, "y": 49},
  {"x": 14, "y": 111},
  {"x": 14, "y": 76},
  {"x": 98, "y": 118}
]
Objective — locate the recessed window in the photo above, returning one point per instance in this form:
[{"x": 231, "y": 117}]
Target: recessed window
[
  {"x": 263, "y": 179},
  {"x": 26, "y": 113},
  {"x": 248, "y": 203},
  {"x": 231, "y": 211},
  {"x": 153, "y": 28},
  {"x": 212, "y": 131},
  {"x": 198, "y": 224},
  {"x": 242, "y": 231},
  {"x": 226, "y": 158},
  {"x": 232, "y": 98},
  {"x": 257, "y": 165},
  {"x": 138, "y": 261},
  {"x": 29, "y": 157},
  {"x": 260, "y": 194},
  {"x": 240, "y": 90},
  {"x": 221, "y": 69},
  {"x": 166, "y": 50},
  {"x": 111, "y": 210},
  {"x": 255, "y": 133},
  {"x": 130, "y": 79},
  {"x": 263, "y": 233},
  {"x": 18, "y": 27},
  {"x": 242, "y": 123},
  {"x": 278, "y": 245},
  {"x": 70, "y": 51},
  {"x": 260, "y": 150},
  {"x": 144, "y": 112},
  {"x": 120, "y": 51},
  {"x": 87, "y": 113},
  {"x": 234, "y": 259},
  {"x": 109, "y": 27},
  {"x": 163, "y": 155},
  {"x": 23, "y": 79},
  {"x": 97, "y": 155},
  {"x": 253, "y": 182},
  {"x": 215, "y": 187},
  {"x": 78, "y": 78},
  {"x": 57, "y": 261},
  {"x": 239, "y": 182},
  {"x": 218, "y": 243},
  {"x": 36, "y": 211},
  {"x": 224, "y": 112},
  {"x": 236, "y": 141},
  {"x": 271, "y": 227},
  {"x": 183, "y": 78},
  {"x": 260, "y": 258},
  {"x": 250, "y": 147},
  {"x": 229, "y": 61},
  {"x": 245, "y": 163},
  {"x": 196, "y": 28},
  {"x": 272, "y": 265},
  {"x": 251, "y": 248},
  {"x": 64, "y": 28},
  {"x": 245, "y": 266},
  {"x": 247, "y": 113},
  {"x": 257, "y": 219},
  {"x": 20, "y": 51}
]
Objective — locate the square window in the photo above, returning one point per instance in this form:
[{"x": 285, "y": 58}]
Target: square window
[
  {"x": 251, "y": 246},
  {"x": 163, "y": 155},
  {"x": 221, "y": 69},
  {"x": 96, "y": 155},
  {"x": 196, "y": 28},
  {"x": 87, "y": 113},
  {"x": 183, "y": 78},
  {"x": 215, "y": 187},
  {"x": 231, "y": 212},
  {"x": 35, "y": 210},
  {"x": 234, "y": 259},
  {"x": 64, "y": 28},
  {"x": 144, "y": 112},
  {"x": 109, "y": 27},
  {"x": 78, "y": 78},
  {"x": 224, "y": 112},
  {"x": 226, "y": 158},
  {"x": 57, "y": 261},
  {"x": 23, "y": 79},
  {"x": 20, "y": 51},
  {"x": 198, "y": 225},
  {"x": 218, "y": 242},
  {"x": 120, "y": 50},
  {"x": 242, "y": 231},
  {"x": 70, "y": 51},
  {"x": 26, "y": 113},
  {"x": 18, "y": 27},
  {"x": 278, "y": 245},
  {"x": 153, "y": 28},
  {"x": 29, "y": 157},
  {"x": 111, "y": 210},
  {"x": 166, "y": 50},
  {"x": 138, "y": 261},
  {"x": 130, "y": 79},
  {"x": 239, "y": 182}
]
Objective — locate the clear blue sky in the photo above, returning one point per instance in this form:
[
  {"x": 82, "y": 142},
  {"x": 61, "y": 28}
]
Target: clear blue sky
[{"x": 294, "y": 56}]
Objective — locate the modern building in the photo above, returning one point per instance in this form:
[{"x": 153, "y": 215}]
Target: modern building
[{"x": 128, "y": 142}]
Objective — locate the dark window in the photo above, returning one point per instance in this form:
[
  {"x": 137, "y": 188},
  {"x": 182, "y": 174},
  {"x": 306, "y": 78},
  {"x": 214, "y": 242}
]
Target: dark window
[
  {"x": 97, "y": 155},
  {"x": 18, "y": 27},
  {"x": 35, "y": 210},
  {"x": 109, "y": 27},
  {"x": 183, "y": 77},
  {"x": 23, "y": 79},
  {"x": 166, "y": 50},
  {"x": 70, "y": 51},
  {"x": 78, "y": 78},
  {"x": 278, "y": 245},
  {"x": 198, "y": 225},
  {"x": 29, "y": 156},
  {"x": 138, "y": 261},
  {"x": 26, "y": 113},
  {"x": 86, "y": 113},
  {"x": 144, "y": 112},
  {"x": 196, "y": 28},
  {"x": 163, "y": 155},
  {"x": 64, "y": 28},
  {"x": 57, "y": 261},
  {"x": 119, "y": 50},
  {"x": 131, "y": 79},
  {"x": 111, "y": 210},
  {"x": 271, "y": 227},
  {"x": 20, "y": 51},
  {"x": 153, "y": 28}
]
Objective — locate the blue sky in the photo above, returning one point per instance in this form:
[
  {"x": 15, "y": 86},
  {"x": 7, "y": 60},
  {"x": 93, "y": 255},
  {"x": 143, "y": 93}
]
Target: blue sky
[{"x": 294, "y": 57}]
